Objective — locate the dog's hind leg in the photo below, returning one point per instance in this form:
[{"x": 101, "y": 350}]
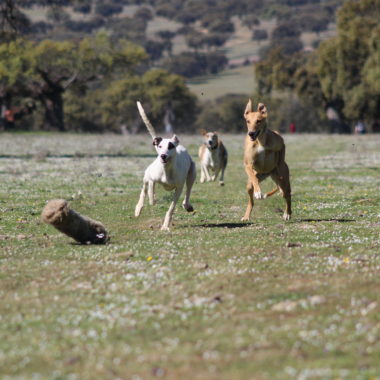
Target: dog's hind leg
[
  {"x": 169, "y": 214},
  {"x": 270, "y": 193},
  {"x": 140, "y": 203},
  {"x": 282, "y": 179},
  {"x": 250, "y": 202},
  {"x": 221, "y": 179},
  {"x": 151, "y": 193},
  {"x": 191, "y": 175},
  {"x": 216, "y": 173},
  {"x": 224, "y": 165}
]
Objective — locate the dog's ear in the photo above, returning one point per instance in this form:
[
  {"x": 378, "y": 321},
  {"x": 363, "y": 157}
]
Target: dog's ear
[
  {"x": 157, "y": 140},
  {"x": 202, "y": 132},
  {"x": 175, "y": 140},
  {"x": 262, "y": 109},
  {"x": 248, "y": 107}
]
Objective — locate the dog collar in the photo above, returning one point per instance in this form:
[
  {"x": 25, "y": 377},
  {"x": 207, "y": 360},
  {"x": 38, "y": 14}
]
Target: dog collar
[{"x": 211, "y": 148}]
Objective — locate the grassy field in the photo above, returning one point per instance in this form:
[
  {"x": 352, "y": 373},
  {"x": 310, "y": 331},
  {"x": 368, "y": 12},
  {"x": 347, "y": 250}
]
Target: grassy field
[
  {"x": 239, "y": 80},
  {"x": 212, "y": 299}
]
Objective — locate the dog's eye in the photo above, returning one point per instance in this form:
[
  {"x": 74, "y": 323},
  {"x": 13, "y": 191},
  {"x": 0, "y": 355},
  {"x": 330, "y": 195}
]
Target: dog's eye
[
  {"x": 160, "y": 146},
  {"x": 171, "y": 146}
]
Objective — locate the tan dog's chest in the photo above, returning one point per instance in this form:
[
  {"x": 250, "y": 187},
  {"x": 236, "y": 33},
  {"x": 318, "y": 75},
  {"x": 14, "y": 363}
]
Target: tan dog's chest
[{"x": 262, "y": 159}]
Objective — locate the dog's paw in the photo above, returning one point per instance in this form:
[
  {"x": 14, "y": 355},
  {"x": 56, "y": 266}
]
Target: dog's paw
[
  {"x": 138, "y": 211},
  {"x": 259, "y": 195},
  {"x": 245, "y": 219},
  {"x": 188, "y": 208},
  {"x": 165, "y": 228},
  {"x": 221, "y": 183},
  {"x": 286, "y": 216}
]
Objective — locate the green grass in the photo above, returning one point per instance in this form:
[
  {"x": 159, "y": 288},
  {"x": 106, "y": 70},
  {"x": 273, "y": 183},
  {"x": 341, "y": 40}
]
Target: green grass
[
  {"x": 213, "y": 298},
  {"x": 239, "y": 80}
]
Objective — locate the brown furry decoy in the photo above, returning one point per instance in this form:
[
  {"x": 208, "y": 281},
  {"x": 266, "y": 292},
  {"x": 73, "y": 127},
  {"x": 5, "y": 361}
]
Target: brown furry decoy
[{"x": 79, "y": 227}]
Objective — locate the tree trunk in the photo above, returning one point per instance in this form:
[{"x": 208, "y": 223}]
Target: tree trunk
[{"x": 52, "y": 101}]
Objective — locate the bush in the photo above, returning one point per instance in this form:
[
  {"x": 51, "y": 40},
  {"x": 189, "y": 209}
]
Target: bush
[
  {"x": 194, "y": 64},
  {"x": 82, "y": 8},
  {"x": 259, "y": 34},
  {"x": 144, "y": 13},
  {"x": 84, "y": 26},
  {"x": 224, "y": 114},
  {"x": 155, "y": 49},
  {"x": 82, "y": 113},
  {"x": 290, "y": 109},
  {"x": 107, "y": 10},
  {"x": 222, "y": 27},
  {"x": 40, "y": 27}
]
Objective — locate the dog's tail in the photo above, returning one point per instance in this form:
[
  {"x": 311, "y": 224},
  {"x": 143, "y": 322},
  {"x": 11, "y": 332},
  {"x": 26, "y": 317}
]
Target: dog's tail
[
  {"x": 270, "y": 193},
  {"x": 146, "y": 121}
]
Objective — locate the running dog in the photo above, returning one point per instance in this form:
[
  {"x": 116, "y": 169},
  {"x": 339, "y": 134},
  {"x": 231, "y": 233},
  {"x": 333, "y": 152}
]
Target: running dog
[
  {"x": 264, "y": 155},
  {"x": 172, "y": 168},
  {"x": 213, "y": 156}
]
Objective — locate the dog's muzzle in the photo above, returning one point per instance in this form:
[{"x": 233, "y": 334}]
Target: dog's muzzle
[
  {"x": 164, "y": 158},
  {"x": 253, "y": 135}
]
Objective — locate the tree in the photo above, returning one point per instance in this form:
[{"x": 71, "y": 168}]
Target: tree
[
  {"x": 342, "y": 73},
  {"x": 223, "y": 114},
  {"x": 158, "y": 90},
  {"x": 193, "y": 64},
  {"x": 348, "y": 64},
  {"x": 13, "y": 22},
  {"x": 47, "y": 69},
  {"x": 259, "y": 35},
  {"x": 164, "y": 90}
]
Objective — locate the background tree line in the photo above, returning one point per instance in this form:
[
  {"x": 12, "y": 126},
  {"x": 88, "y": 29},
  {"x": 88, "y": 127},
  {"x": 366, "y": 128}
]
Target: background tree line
[{"x": 67, "y": 73}]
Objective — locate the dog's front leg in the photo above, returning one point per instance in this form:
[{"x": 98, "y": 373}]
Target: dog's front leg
[
  {"x": 248, "y": 211},
  {"x": 252, "y": 175},
  {"x": 169, "y": 214},
  {"x": 140, "y": 203},
  {"x": 203, "y": 175},
  {"x": 208, "y": 176},
  {"x": 151, "y": 193}
]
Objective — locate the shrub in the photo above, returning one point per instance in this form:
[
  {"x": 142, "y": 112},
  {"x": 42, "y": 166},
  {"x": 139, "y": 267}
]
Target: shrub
[{"x": 193, "y": 64}]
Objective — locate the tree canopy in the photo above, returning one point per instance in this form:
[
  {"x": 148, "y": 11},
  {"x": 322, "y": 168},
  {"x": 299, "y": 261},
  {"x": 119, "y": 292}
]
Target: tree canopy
[{"x": 342, "y": 73}]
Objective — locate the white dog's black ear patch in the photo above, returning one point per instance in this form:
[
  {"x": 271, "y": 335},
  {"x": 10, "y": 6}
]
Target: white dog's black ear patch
[{"x": 157, "y": 140}]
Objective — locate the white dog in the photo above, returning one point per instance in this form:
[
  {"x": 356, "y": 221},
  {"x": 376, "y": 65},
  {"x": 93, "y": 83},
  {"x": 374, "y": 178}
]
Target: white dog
[
  {"x": 213, "y": 157},
  {"x": 172, "y": 168}
]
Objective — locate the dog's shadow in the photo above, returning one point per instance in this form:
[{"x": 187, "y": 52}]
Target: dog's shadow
[
  {"x": 338, "y": 220},
  {"x": 244, "y": 225},
  {"x": 223, "y": 225}
]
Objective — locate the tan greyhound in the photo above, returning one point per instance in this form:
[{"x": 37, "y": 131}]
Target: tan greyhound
[{"x": 264, "y": 156}]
